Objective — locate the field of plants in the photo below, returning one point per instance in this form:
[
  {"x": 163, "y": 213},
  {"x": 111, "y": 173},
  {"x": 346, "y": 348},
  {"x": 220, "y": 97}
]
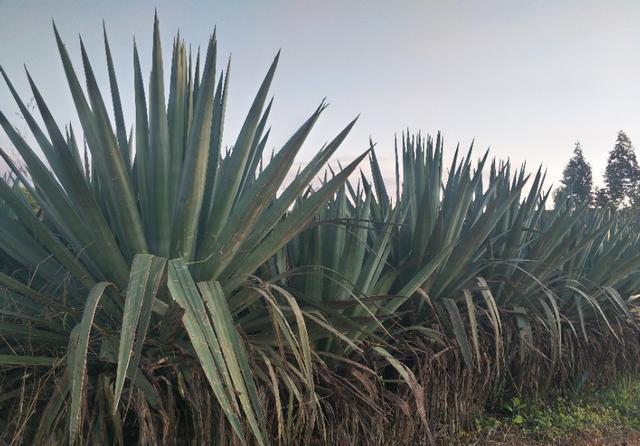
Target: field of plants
[{"x": 157, "y": 287}]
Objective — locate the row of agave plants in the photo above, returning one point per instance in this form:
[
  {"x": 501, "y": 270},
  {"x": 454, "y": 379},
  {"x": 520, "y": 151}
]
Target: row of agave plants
[{"x": 157, "y": 287}]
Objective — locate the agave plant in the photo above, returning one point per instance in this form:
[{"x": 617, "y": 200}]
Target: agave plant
[
  {"x": 451, "y": 248},
  {"x": 88, "y": 287},
  {"x": 154, "y": 283}
]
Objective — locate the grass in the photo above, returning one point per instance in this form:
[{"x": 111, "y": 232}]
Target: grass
[{"x": 601, "y": 413}]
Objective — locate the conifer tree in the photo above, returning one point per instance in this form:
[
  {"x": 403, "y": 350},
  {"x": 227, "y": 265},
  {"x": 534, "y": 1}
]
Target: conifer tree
[
  {"x": 621, "y": 174},
  {"x": 577, "y": 181}
]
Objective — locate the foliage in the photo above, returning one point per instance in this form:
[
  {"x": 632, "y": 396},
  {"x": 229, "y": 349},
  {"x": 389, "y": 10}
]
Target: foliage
[
  {"x": 559, "y": 418},
  {"x": 622, "y": 172},
  {"x": 515, "y": 409},
  {"x": 576, "y": 181},
  {"x": 165, "y": 289},
  {"x": 94, "y": 261},
  {"x": 600, "y": 197}
]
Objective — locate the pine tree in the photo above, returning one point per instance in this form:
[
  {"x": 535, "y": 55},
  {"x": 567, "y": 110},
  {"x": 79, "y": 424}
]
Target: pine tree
[
  {"x": 576, "y": 181},
  {"x": 621, "y": 174}
]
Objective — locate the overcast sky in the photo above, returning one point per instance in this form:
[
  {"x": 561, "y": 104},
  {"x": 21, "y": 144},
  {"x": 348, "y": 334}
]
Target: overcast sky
[{"x": 526, "y": 78}]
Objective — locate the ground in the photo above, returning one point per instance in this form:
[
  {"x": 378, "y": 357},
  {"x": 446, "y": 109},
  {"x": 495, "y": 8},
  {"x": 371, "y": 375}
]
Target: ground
[
  {"x": 609, "y": 416},
  {"x": 618, "y": 438}
]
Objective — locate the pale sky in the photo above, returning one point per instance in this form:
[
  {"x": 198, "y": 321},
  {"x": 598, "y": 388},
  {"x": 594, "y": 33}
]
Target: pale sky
[{"x": 526, "y": 78}]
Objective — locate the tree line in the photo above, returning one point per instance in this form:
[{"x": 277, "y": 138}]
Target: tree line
[{"x": 621, "y": 179}]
